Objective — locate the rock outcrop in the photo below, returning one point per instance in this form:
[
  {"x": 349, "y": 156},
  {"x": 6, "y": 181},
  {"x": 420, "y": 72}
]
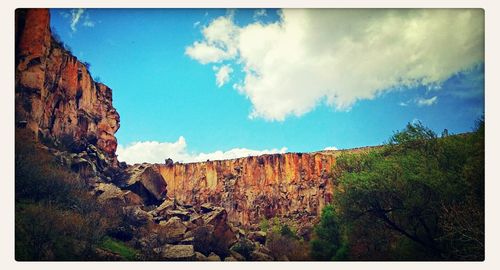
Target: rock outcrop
[
  {"x": 252, "y": 188},
  {"x": 56, "y": 96}
]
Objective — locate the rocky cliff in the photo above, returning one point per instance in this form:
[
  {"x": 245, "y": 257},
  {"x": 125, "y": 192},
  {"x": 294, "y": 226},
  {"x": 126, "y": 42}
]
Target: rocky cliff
[
  {"x": 56, "y": 96},
  {"x": 291, "y": 185}
]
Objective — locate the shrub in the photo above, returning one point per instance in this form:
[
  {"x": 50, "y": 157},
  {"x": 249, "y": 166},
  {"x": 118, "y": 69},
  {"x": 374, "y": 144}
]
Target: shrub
[
  {"x": 56, "y": 216},
  {"x": 327, "y": 243},
  {"x": 244, "y": 247}
]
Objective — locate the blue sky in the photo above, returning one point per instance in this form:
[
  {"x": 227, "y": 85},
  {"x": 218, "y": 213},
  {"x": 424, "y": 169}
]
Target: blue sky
[{"x": 288, "y": 85}]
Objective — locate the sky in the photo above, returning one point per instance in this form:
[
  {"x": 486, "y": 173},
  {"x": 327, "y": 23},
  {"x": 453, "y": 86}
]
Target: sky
[{"x": 198, "y": 84}]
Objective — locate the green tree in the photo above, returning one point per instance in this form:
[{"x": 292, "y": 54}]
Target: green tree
[
  {"x": 327, "y": 244},
  {"x": 410, "y": 187}
]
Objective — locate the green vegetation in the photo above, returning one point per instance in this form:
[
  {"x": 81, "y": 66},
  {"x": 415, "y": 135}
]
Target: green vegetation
[
  {"x": 119, "y": 247},
  {"x": 328, "y": 244},
  {"x": 56, "y": 218},
  {"x": 244, "y": 247},
  {"x": 420, "y": 197},
  {"x": 283, "y": 242}
]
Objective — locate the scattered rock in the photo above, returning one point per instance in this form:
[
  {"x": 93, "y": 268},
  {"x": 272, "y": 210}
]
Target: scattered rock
[
  {"x": 259, "y": 256},
  {"x": 179, "y": 253}
]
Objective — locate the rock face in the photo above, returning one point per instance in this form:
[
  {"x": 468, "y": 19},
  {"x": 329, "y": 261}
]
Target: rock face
[
  {"x": 56, "y": 96},
  {"x": 254, "y": 188}
]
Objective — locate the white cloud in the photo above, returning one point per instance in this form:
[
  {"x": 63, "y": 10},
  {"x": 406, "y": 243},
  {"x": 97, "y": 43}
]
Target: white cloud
[
  {"x": 339, "y": 56},
  {"x": 157, "y": 152},
  {"x": 426, "y": 102},
  {"x": 259, "y": 13},
  {"x": 218, "y": 44},
  {"x": 76, "y": 14},
  {"x": 330, "y": 148},
  {"x": 88, "y": 22},
  {"x": 196, "y": 24},
  {"x": 403, "y": 104},
  {"x": 222, "y": 74},
  {"x": 205, "y": 53}
]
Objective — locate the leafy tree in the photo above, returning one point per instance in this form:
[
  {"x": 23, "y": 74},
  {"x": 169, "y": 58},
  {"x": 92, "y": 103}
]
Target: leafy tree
[
  {"x": 413, "y": 187},
  {"x": 328, "y": 245}
]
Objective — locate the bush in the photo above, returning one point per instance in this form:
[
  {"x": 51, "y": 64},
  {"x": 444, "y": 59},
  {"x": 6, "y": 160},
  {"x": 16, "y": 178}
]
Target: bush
[
  {"x": 244, "y": 247},
  {"x": 327, "y": 244},
  {"x": 56, "y": 216},
  {"x": 284, "y": 243}
]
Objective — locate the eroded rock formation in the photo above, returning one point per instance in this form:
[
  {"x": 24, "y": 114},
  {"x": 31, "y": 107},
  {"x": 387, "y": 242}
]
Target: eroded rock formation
[
  {"x": 250, "y": 189},
  {"x": 56, "y": 96}
]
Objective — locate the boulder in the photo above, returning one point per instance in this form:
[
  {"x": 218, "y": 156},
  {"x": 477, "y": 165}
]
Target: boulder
[
  {"x": 259, "y": 256},
  {"x": 173, "y": 230},
  {"x": 263, "y": 249},
  {"x": 213, "y": 257},
  {"x": 136, "y": 215},
  {"x": 199, "y": 256},
  {"x": 146, "y": 180},
  {"x": 182, "y": 214},
  {"x": 206, "y": 207},
  {"x": 237, "y": 256},
  {"x": 167, "y": 204},
  {"x": 258, "y": 236},
  {"x": 222, "y": 230},
  {"x": 131, "y": 198},
  {"x": 196, "y": 219},
  {"x": 83, "y": 167},
  {"x": 230, "y": 259},
  {"x": 179, "y": 253},
  {"x": 187, "y": 241}
]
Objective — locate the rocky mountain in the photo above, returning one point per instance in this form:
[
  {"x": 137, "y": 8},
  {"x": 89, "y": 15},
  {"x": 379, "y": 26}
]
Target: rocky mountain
[{"x": 56, "y": 96}]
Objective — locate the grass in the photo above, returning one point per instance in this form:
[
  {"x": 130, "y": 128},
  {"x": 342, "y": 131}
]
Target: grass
[{"x": 119, "y": 247}]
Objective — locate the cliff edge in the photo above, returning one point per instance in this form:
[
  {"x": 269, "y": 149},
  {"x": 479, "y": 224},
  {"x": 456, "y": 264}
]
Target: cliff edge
[{"x": 55, "y": 95}]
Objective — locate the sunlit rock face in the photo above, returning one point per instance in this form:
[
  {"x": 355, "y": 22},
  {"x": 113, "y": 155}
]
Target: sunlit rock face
[
  {"x": 252, "y": 188},
  {"x": 55, "y": 94}
]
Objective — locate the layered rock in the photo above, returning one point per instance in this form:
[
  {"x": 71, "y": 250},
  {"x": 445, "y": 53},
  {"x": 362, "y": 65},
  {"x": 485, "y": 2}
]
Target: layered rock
[
  {"x": 56, "y": 96},
  {"x": 252, "y": 188}
]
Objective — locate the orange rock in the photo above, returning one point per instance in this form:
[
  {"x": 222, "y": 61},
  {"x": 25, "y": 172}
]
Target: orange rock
[
  {"x": 55, "y": 92},
  {"x": 254, "y": 188}
]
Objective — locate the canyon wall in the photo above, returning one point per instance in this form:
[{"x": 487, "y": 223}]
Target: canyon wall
[
  {"x": 57, "y": 99},
  {"x": 291, "y": 185},
  {"x": 56, "y": 96}
]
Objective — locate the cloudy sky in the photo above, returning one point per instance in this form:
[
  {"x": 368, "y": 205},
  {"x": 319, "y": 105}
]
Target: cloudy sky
[{"x": 198, "y": 84}]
